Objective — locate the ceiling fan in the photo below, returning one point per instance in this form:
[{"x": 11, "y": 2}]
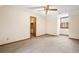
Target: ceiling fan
[{"x": 47, "y": 8}]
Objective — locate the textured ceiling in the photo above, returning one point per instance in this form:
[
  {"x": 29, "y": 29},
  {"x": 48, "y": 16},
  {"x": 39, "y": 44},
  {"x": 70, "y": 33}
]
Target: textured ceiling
[{"x": 61, "y": 8}]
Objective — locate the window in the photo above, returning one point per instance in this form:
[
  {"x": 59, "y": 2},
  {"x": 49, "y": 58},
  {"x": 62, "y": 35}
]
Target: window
[{"x": 64, "y": 23}]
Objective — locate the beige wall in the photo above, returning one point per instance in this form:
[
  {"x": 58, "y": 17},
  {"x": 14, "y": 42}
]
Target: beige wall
[
  {"x": 74, "y": 25},
  {"x": 51, "y": 23},
  {"x": 15, "y": 24},
  {"x": 64, "y": 31}
]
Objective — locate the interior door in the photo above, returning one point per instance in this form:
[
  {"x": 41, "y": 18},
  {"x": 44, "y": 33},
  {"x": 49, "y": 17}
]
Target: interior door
[{"x": 33, "y": 26}]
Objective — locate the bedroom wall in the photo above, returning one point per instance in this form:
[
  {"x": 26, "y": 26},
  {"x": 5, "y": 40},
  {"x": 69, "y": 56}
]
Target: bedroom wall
[
  {"x": 74, "y": 24},
  {"x": 15, "y": 24},
  {"x": 52, "y": 23}
]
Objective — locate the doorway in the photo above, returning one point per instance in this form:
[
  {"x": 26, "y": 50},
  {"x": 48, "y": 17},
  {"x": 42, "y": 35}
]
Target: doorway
[{"x": 32, "y": 26}]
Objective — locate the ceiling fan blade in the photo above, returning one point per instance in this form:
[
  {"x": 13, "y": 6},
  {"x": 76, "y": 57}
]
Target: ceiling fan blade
[
  {"x": 37, "y": 7},
  {"x": 52, "y": 9},
  {"x": 40, "y": 10}
]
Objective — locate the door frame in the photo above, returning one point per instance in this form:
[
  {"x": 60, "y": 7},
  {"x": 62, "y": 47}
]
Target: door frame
[{"x": 30, "y": 25}]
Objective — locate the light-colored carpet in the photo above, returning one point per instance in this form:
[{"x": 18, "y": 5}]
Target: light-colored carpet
[{"x": 43, "y": 44}]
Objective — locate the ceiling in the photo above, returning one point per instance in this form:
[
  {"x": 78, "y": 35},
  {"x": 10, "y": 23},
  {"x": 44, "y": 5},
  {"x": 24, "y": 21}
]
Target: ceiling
[{"x": 61, "y": 8}]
